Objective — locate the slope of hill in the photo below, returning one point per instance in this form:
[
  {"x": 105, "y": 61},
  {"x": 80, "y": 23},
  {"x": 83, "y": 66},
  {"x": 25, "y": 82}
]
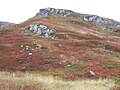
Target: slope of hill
[{"x": 62, "y": 45}]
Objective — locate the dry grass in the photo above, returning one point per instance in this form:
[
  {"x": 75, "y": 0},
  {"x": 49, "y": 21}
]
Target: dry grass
[{"x": 27, "y": 81}]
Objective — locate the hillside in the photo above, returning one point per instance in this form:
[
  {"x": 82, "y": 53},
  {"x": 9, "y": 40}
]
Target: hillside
[{"x": 62, "y": 43}]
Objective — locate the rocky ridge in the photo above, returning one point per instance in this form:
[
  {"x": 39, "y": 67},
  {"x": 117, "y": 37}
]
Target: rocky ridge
[
  {"x": 52, "y": 11},
  {"x": 104, "y": 23}
]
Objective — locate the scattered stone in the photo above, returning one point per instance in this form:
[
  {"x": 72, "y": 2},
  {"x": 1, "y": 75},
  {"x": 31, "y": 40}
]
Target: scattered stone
[
  {"x": 21, "y": 46},
  {"x": 38, "y": 46},
  {"x": 92, "y": 73},
  {"x": 59, "y": 45},
  {"x": 60, "y": 62},
  {"x": 68, "y": 65},
  {"x": 32, "y": 49},
  {"x": 26, "y": 48},
  {"x": 30, "y": 54},
  {"x": 21, "y": 60},
  {"x": 23, "y": 67},
  {"x": 21, "y": 51},
  {"x": 53, "y": 37}
]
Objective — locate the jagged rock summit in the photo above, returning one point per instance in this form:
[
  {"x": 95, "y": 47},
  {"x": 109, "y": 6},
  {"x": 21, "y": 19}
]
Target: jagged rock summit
[{"x": 52, "y": 11}]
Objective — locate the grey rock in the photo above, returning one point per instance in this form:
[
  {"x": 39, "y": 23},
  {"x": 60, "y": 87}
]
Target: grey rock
[
  {"x": 92, "y": 73},
  {"x": 43, "y": 26},
  {"x": 104, "y": 23},
  {"x": 38, "y": 46},
  {"x": 41, "y": 30},
  {"x": 52, "y": 11}
]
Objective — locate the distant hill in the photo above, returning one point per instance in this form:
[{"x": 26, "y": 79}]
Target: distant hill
[{"x": 5, "y": 24}]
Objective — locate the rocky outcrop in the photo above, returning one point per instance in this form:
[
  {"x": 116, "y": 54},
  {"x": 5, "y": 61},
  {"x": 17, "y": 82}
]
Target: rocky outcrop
[
  {"x": 104, "y": 23},
  {"x": 52, "y": 11},
  {"x": 41, "y": 30},
  {"x": 5, "y": 24}
]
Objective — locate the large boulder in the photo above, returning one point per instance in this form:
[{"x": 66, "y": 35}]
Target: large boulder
[
  {"x": 41, "y": 30},
  {"x": 52, "y": 11}
]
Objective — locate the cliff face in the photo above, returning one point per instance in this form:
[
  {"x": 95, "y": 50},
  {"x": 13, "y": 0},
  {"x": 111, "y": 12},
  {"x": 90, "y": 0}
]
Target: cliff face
[{"x": 5, "y": 24}]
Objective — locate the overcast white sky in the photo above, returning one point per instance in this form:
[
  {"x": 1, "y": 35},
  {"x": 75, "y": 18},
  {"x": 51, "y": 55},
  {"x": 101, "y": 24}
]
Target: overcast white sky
[{"x": 17, "y": 11}]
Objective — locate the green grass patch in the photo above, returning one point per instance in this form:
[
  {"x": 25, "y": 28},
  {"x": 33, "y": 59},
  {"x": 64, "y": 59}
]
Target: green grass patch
[
  {"x": 81, "y": 63},
  {"x": 94, "y": 56},
  {"x": 82, "y": 44},
  {"x": 116, "y": 78},
  {"x": 110, "y": 64},
  {"x": 18, "y": 44},
  {"x": 75, "y": 66},
  {"x": 27, "y": 64},
  {"x": 76, "y": 69},
  {"x": 116, "y": 55}
]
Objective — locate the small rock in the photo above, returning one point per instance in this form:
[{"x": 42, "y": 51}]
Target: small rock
[
  {"x": 21, "y": 46},
  {"x": 59, "y": 45},
  {"x": 23, "y": 67},
  {"x": 38, "y": 46},
  {"x": 92, "y": 73},
  {"x": 53, "y": 37},
  {"x": 26, "y": 48},
  {"x": 30, "y": 54},
  {"x": 21, "y": 51},
  {"x": 68, "y": 65}
]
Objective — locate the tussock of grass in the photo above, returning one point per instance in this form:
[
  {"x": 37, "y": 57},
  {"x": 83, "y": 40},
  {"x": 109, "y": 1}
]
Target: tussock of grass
[{"x": 18, "y": 81}]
